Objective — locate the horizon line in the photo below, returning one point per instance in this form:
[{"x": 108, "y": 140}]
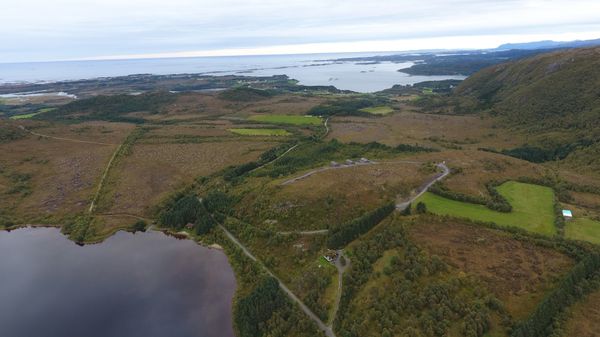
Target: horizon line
[{"x": 415, "y": 45}]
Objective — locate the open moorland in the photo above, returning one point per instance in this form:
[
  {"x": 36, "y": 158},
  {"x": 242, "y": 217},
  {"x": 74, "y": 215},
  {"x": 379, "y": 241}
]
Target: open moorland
[{"x": 429, "y": 210}]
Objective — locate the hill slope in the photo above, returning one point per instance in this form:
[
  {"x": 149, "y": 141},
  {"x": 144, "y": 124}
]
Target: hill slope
[{"x": 558, "y": 90}]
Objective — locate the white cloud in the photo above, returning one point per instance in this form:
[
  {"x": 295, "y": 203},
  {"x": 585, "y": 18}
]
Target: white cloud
[{"x": 67, "y": 29}]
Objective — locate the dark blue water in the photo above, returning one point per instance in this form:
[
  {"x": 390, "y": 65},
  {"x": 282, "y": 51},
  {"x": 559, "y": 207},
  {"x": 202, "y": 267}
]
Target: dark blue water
[
  {"x": 308, "y": 69},
  {"x": 144, "y": 284}
]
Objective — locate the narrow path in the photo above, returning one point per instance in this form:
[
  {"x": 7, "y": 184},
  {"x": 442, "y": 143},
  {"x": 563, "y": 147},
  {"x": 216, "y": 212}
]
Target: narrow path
[
  {"x": 341, "y": 268},
  {"x": 343, "y": 166},
  {"x": 322, "y": 326},
  {"x": 326, "y": 128},
  {"x": 313, "y": 232},
  {"x": 323, "y": 169},
  {"x": 64, "y": 139},
  {"x": 103, "y": 178},
  {"x": 290, "y": 149},
  {"x": 272, "y": 161},
  {"x": 445, "y": 171}
]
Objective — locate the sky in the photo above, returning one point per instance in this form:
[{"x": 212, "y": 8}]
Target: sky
[{"x": 47, "y": 30}]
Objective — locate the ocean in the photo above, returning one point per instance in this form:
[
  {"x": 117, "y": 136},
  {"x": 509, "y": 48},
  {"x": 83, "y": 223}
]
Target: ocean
[{"x": 308, "y": 69}]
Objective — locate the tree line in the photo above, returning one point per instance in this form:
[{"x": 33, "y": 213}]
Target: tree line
[
  {"x": 346, "y": 233},
  {"x": 572, "y": 287},
  {"x": 495, "y": 201},
  {"x": 188, "y": 209}
]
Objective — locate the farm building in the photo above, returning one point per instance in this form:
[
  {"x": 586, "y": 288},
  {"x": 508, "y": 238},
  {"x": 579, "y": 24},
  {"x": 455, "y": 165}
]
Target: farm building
[{"x": 567, "y": 214}]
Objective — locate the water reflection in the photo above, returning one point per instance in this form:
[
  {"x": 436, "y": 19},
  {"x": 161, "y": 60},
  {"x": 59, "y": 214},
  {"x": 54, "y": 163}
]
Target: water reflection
[{"x": 144, "y": 284}]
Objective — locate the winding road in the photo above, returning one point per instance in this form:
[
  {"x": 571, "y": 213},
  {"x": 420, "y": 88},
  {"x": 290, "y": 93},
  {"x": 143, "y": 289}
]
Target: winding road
[
  {"x": 327, "y": 328},
  {"x": 445, "y": 171}
]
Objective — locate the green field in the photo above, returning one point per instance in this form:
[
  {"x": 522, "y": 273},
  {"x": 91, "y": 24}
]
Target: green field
[
  {"x": 583, "y": 229},
  {"x": 287, "y": 119},
  {"x": 533, "y": 208},
  {"x": 26, "y": 116},
  {"x": 260, "y": 132},
  {"x": 378, "y": 110}
]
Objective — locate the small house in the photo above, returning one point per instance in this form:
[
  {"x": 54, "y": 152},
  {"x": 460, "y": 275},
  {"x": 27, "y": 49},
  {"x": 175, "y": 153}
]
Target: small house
[
  {"x": 349, "y": 162},
  {"x": 330, "y": 256},
  {"x": 334, "y": 164},
  {"x": 567, "y": 214}
]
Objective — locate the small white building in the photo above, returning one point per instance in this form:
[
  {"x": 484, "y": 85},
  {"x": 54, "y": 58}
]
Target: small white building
[{"x": 567, "y": 214}]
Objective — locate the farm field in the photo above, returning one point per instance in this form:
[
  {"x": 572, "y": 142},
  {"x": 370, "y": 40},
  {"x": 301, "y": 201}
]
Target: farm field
[
  {"x": 583, "y": 229},
  {"x": 532, "y": 208},
  {"x": 287, "y": 119},
  {"x": 378, "y": 110},
  {"x": 260, "y": 132}
]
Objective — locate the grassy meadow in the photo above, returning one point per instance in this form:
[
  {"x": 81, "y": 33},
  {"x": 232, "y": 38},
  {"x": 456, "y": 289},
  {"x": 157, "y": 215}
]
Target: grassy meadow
[
  {"x": 378, "y": 110},
  {"x": 532, "y": 208},
  {"x": 287, "y": 119},
  {"x": 260, "y": 132},
  {"x": 583, "y": 229},
  {"x": 29, "y": 115}
]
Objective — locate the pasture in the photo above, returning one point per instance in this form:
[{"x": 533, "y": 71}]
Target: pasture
[
  {"x": 583, "y": 229},
  {"x": 287, "y": 119},
  {"x": 532, "y": 208},
  {"x": 260, "y": 132}
]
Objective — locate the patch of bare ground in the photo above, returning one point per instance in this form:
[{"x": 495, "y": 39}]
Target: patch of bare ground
[
  {"x": 584, "y": 318},
  {"x": 519, "y": 273},
  {"x": 153, "y": 171}
]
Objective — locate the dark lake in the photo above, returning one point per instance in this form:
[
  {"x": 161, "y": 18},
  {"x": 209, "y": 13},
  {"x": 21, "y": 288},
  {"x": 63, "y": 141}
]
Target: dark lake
[{"x": 143, "y": 284}]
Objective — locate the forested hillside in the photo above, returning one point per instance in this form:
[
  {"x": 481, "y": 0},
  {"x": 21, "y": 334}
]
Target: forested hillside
[
  {"x": 558, "y": 90},
  {"x": 554, "y": 98}
]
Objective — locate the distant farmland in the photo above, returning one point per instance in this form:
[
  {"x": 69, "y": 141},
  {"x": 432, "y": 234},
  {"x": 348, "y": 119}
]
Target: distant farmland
[{"x": 287, "y": 119}]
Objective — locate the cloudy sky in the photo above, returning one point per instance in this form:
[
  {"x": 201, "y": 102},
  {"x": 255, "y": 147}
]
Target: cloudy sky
[{"x": 38, "y": 30}]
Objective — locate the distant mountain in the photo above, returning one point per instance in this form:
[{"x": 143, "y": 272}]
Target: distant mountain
[
  {"x": 467, "y": 62},
  {"x": 548, "y": 44}
]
